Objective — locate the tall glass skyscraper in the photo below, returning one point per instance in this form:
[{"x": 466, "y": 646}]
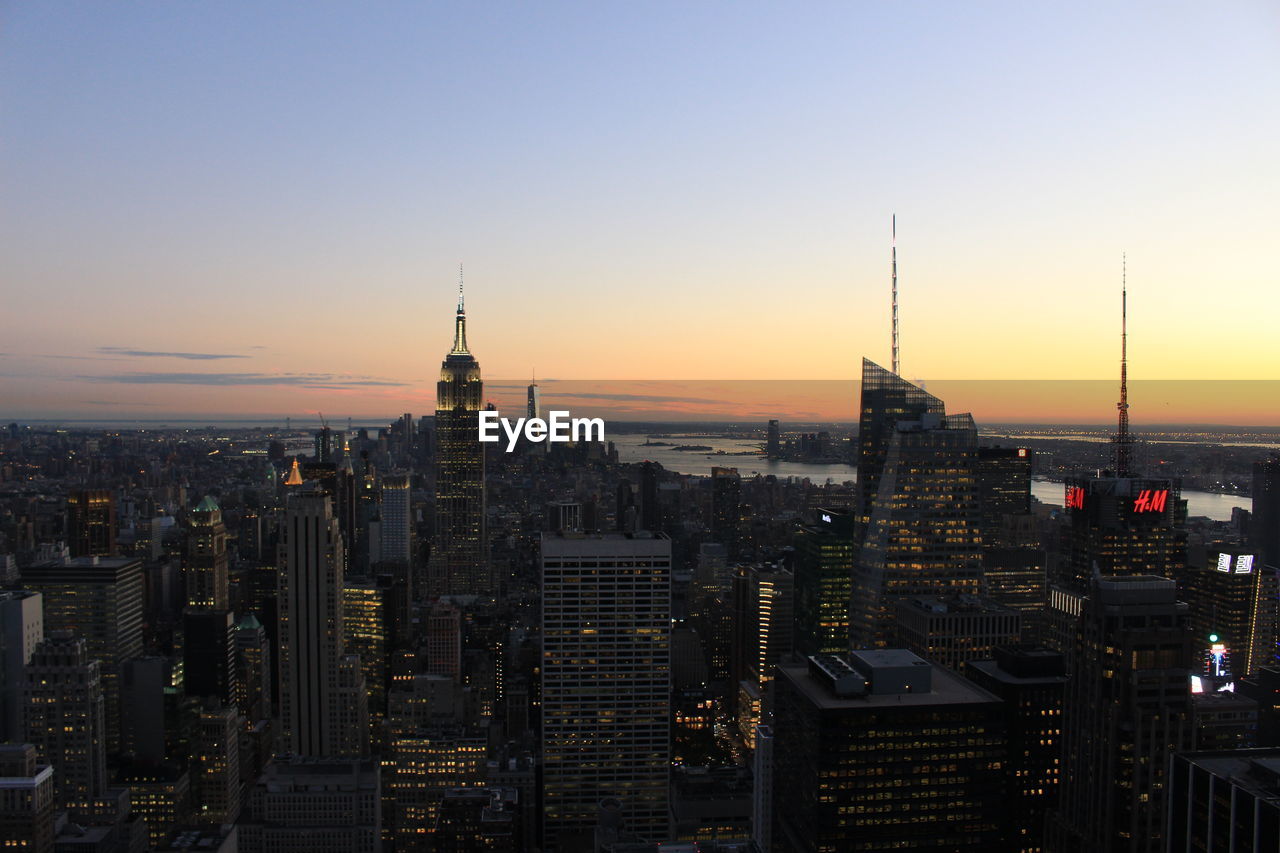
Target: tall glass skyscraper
[
  {"x": 825, "y": 549},
  {"x": 459, "y": 564},
  {"x": 886, "y": 399},
  {"x": 923, "y": 533}
]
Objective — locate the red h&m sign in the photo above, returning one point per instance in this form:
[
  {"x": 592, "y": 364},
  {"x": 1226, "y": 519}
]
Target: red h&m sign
[
  {"x": 1151, "y": 500},
  {"x": 1075, "y": 497}
]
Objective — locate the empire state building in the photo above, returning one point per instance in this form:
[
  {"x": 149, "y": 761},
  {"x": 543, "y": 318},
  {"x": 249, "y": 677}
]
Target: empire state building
[{"x": 459, "y": 563}]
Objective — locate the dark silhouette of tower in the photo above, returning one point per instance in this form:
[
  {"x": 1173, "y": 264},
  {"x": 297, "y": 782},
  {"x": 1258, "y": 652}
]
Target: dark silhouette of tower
[
  {"x": 773, "y": 440},
  {"x": 650, "y": 511},
  {"x": 91, "y": 523},
  {"x": 1127, "y": 710},
  {"x": 207, "y": 558},
  {"x": 1264, "y": 527},
  {"x": 1123, "y": 442},
  {"x": 324, "y": 444},
  {"x": 726, "y": 507}
]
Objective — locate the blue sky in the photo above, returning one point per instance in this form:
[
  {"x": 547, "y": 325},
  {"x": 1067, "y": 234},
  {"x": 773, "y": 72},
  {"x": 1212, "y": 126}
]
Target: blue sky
[{"x": 708, "y": 184}]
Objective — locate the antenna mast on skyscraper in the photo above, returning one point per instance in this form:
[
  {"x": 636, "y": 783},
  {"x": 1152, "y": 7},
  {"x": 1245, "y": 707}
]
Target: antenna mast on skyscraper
[
  {"x": 894, "y": 250},
  {"x": 1123, "y": 441},
  {"x": 461, "y": 306}
]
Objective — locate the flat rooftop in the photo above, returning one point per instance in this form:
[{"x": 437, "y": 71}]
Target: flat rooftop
[
  {"x": 947, "y": 688},
  {"x": 993, "y": 669},
  {"x": 1255, "y": 770},
  {"x": 573, "y": 544}
]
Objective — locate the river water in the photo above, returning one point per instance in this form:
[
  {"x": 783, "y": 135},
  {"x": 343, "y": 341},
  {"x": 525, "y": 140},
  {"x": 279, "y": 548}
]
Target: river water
[{"x": 632, "y": 448}]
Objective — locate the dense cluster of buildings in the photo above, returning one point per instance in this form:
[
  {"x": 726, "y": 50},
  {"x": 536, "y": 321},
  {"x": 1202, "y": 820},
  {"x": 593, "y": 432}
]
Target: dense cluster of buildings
[{"x": 401, "y": 639}]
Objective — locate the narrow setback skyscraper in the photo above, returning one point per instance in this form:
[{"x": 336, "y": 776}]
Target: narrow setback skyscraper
[
  {"x": 324, "y": 709},
  {"x": 206, "y": 563},
  {"x": 459, "y": 564},
  {"x": 606, "y": 683}
]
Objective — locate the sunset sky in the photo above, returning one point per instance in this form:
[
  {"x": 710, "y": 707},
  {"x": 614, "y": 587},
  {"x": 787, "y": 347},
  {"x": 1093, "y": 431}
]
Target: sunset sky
[{"x": 225, "y": 209}]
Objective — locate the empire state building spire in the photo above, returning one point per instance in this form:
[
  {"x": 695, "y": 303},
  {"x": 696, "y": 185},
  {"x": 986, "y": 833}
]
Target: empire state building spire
[
  {"x": 459, "y": 562},
  {"x": 460, "y": 323}
]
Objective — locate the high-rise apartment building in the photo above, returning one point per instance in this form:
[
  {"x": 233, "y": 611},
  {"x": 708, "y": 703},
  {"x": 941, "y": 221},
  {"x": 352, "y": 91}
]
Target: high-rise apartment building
[
  {"x": 459, "y": 559},
  {"x": 922, "y": 536},
  {"x": 323, "y": 704},
  {"x": 65, "y": 717},
  {"x": 397, "y": 520},
  {"x": 606, "y": 683},
  {"x": 1127, "y": 711},
  {"x": 206, "y": 563}
]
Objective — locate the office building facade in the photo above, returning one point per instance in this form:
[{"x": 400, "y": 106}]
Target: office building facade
[
  {"x": 606, "y": 683},
  {"x": 881, "y": 750}
]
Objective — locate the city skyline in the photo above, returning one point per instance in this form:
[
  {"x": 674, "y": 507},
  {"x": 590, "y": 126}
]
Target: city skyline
[
  {"x": 719, "y": 193},
  {"x": 624, "y": 428}
]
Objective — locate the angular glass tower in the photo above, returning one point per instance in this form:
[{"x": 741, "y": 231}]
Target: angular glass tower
[
  {"x": 886, "y": 399},
  {"x": 923, "y": 531}
]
